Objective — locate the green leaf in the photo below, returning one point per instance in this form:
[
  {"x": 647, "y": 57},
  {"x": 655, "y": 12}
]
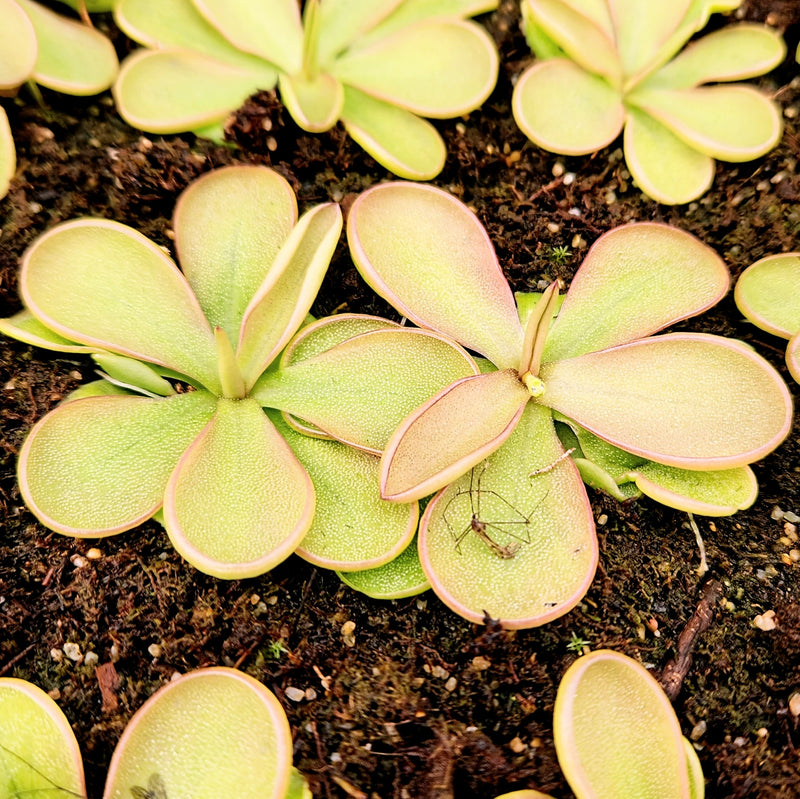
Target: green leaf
[
  {"x": 398, "y": 69},
  {"x": 361, "y": 389},
  {"x": 102, "y": 284},
  {"x": 616, "y": 733},
  {"x": 451, "y": 433},
  {"x": 538, "y": 553},
  {"x": 39, "y": 755},
  {"x": 271, "y": 30},
  {"x": 635, "y": 280},
  {"x": 768, "y": 294},
  {"x": 735, "y": 52},
  {"x": 315, "y": 104},
  {"x": 732, "y": 123},
  {"x": 130, "y": 373},
  {"x": 24, "y": 326},
  {"x": 73, "y": 58},
  {"x": 793, "y": 357},
  {"x": 97, "y": 388},
  {"x": 230, "y": 225},
  {"x": 213, "y": 732},
  {"x": 18, "y": 46},
  {"x": 343, "y": 22},
  {"x": 689, "y": 400},
  {"x": 397, "y": 579},
  {"x": 428, "y": 255},
  {"x": 719, "y": 493},
  {"x": 239, "y": 502},
  {"x": 98, "y": 466},
  {"x": 195, "y": 91},
  {"x": 663, "y": 166},
  {"x": 353, "y": 528},
  {"x": 565, "y": 109},
  {"x": 8, "y": 155},
  {"x": 280, "y": 305},
  {"x": 397, "y": 139}
]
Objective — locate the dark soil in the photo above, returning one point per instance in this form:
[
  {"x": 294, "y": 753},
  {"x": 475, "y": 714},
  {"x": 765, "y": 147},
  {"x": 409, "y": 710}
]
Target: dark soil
[{"x": 421, "y": 704}]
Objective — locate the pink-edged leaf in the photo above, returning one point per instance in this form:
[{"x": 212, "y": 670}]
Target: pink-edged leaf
[
  {"x": 24, "y": 326},
  {"x": 102, "y": 284},
  {"x": 793, "y": 357},
  {"x": 230, "y": 225},
  {"x": 17, "y": 45},
  {"x": 342, "y": 22},
  {"x": 683, "y": 399},
  {"x": 280, "y": 305},
  {"x": 636, "y": 280},
  {"x": 429, "y": 256},
  {"x": 98, "y": 466},
  {"x": 537, "y": 553},
  {"x": 451, "y": 433},
  {"x": 8, "y": 154},
  {"x": 239, "y": 502},
  {"x": 359, "y": 390},
  {"x": 768, "y": 294},
  {"x": 315, "y": 104}
]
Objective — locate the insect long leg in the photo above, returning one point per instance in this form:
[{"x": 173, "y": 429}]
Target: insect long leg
[{"x": 545, "y": 469}]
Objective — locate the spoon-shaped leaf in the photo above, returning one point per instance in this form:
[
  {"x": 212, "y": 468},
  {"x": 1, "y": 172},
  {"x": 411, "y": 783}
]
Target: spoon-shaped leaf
[
  {"x": 18, "y": 47},
  {"x": 361, "y": 389},
  {"x": 24, "y": 326},
  {"x": 733, "y": 410},
  {"x": 419, "y": 247},
  {"x": 456, "y": 429},
  {"x": 100, "y": 283},
  {"x": 39, "y": 755},
  {"x": 342, "y": 22},
  {"x": 99, "y": 466},
  {"x": 635, "y": 280},
  {"x": 229, "y": 226},
  {"x": 399, "y": 578},
  {"x": 542, "y": 552},
  {"x": 8, "y": 154},
  {"x": 616, "y": 733},
  {"x": 315, "y": 104},
  {"x": 214, "y": 732},
  {"x": 768, "y": 294},
  {"x": 793, "y": 357},
  {"x": 238, "y": 502}
]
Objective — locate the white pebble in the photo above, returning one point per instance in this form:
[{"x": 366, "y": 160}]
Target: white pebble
[
  {"x": 91, "y": 659},
  {"x": 73, "y": 651},
  {"x": 765, "y": 621},
  {"x": 295, "y": 694}
]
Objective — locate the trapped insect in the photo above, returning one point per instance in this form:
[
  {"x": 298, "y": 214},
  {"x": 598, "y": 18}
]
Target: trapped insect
[{"x": 155, "y": 789}]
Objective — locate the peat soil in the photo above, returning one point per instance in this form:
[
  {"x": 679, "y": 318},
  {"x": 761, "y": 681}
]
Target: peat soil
[{"x": 404, "y": 699}]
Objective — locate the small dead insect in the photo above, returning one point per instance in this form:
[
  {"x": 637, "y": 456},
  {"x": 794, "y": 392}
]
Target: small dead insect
[
  {"x": 480, "y": 526},
  {"x": 155, "y": 789}
]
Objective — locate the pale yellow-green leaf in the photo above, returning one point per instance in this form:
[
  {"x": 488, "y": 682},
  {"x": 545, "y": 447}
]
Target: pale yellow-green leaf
[
  {"x": 697, "y": 782},
  {"x": 315, "y": 104},
  {"x": 213, "y": 732},
  {"x": 18, "y": 46},
  {"x": 239, "y": 502},
  {"x": 565, "y": 109},
  {"x": 39, "y": 755},
  {"x": 24, "y": 326},
  {"x": 8, "y": 155},
  {"x": 616, "y": 733},
  {"x": 525, "y": 794},
  {"x": 342, "y": 22},
  {"x": 768, "y": 294},
  {"x": 100, "y": 465},
  {"x": 399, "y": 578},
  {"x": 538, "y": 552},
  {"x": 793, "y": 357}
]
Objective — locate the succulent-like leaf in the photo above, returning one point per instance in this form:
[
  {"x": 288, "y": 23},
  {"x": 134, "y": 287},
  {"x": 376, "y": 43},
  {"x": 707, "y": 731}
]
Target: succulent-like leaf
[
  {"x": 39, "y": 755},
  {"x": 361, "y": 389},
  {"x": 238, "y": 502},
  {"x": 616, "y": 733},
  {"x": 230, "y": 225},
  {"x": 732, "y": 123},
  {"x": 280, "y": 305},
  {"x": 271, "y": 30},
  {"x": 195, "y": 91},
  {"x": 72, "y": 58},
  {"x": 399, "y": 578},
  {"x": 635, "y": 280},
  {"x": 687, "y": 400},
  {"x": 100, "y": 283},
  {"x": 564, "y": 109},
  {"x": 663, "y": 166},
  {"x": 18, "y": 46},
  {"x": 719, "y": 493},
  {"x": 397, "y": 139},
  {"x": 315, "y": 104},
  {"x": 353, "y": 528},
  {"x": 8, "y": 154},
  {"x": 398, "y": 69},
  {"x": 537, "y": 554},
  {"x": 526, "y": 793},
  {"x": 419, "y": 247},
  {"x": 213, "y": 732},
  {"x": 24, "y": 326},
  {"x": 793, "y": 357},
  {"x": 129, "y": 372},
  {"x": 768, "y": 294},
  {"x": 342, "y": 22},
  {"x": 457, "y": 429},
  {"x": 99, "y": 466}
]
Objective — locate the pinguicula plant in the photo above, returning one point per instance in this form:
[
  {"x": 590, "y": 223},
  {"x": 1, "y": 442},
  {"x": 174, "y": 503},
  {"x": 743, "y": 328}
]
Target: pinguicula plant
[
  {"x": 213, "y": 732},
  {"x": 768, "y": 294},
  {"x": 380, "y": 67},
  {"x": 607, "y": 66},
  {"x": 510, "y": 532},
  {"x": 617, "y": 735},
  {"x": 40, "y": 46},
  {"x": 177, "y": 425}
]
